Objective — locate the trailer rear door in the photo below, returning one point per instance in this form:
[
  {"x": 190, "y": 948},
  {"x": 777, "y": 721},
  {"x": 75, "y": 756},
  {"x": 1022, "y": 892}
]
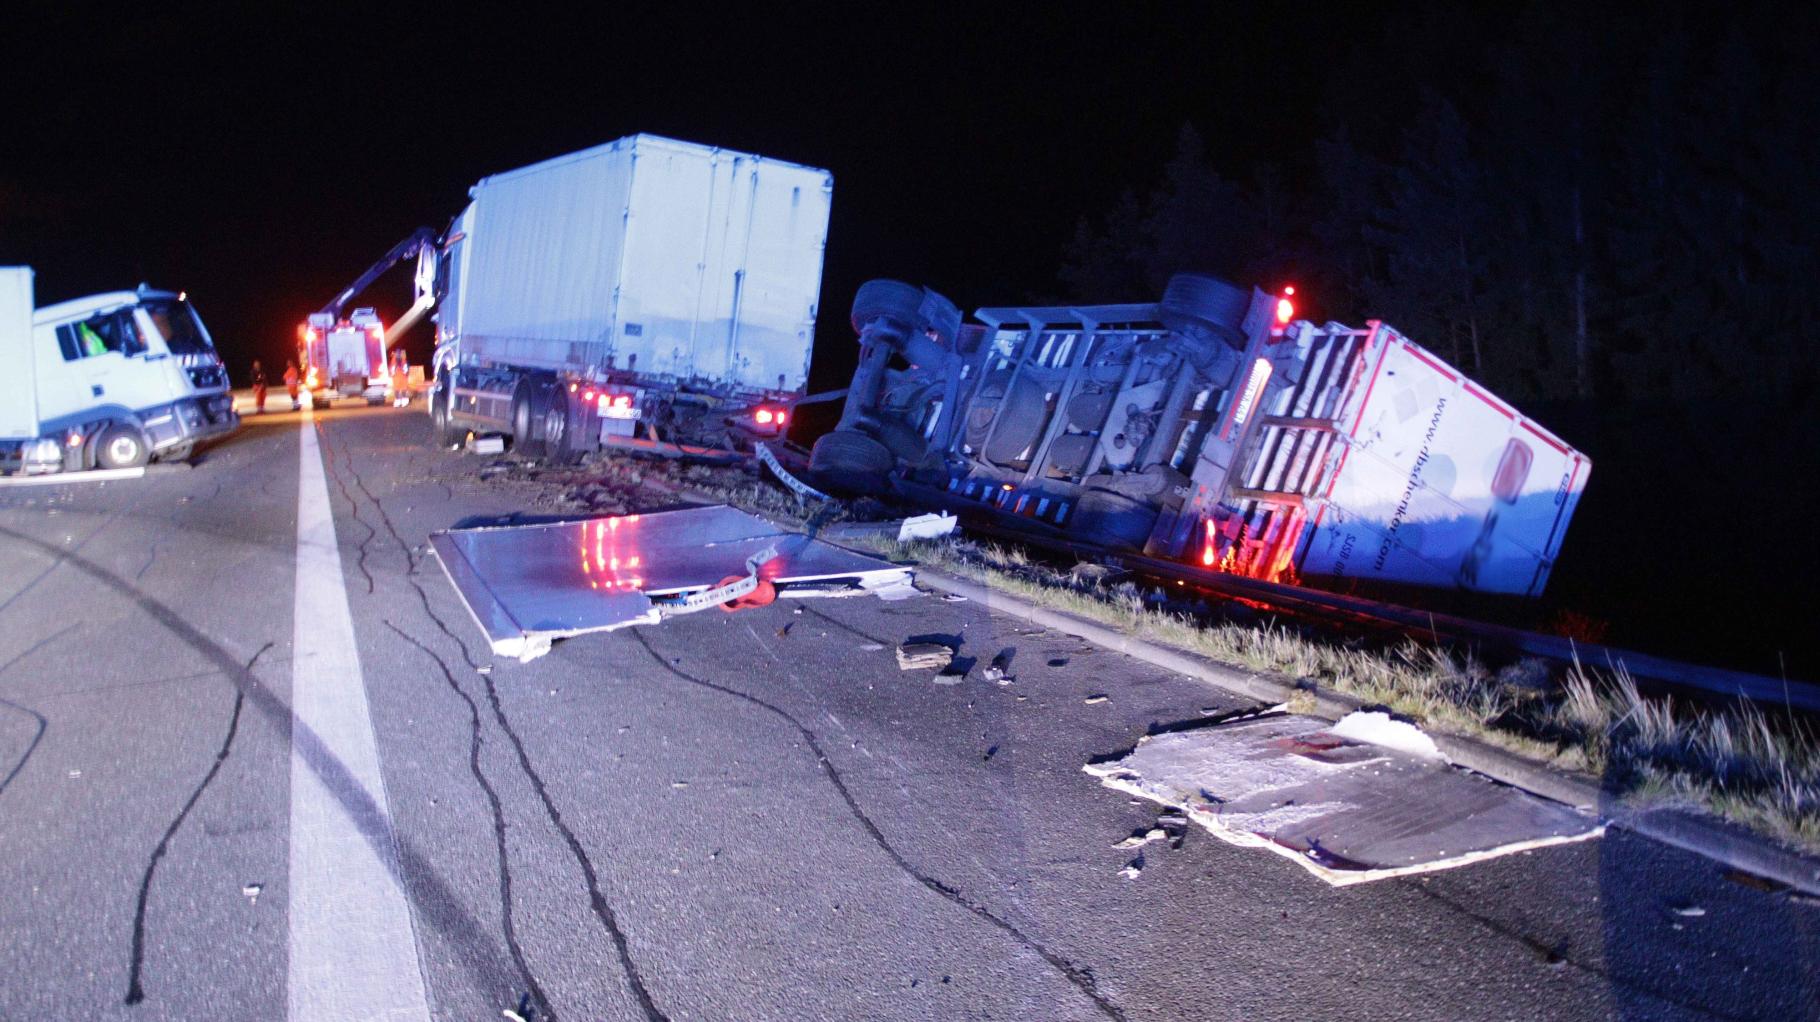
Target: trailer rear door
[{"x": 1440, "y": 483}]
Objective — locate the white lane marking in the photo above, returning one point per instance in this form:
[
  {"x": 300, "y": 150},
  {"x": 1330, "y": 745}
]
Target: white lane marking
[{"x": 353, "y": 954}]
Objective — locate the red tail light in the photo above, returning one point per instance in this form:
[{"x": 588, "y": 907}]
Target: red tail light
[
  {"x": 763, "y": 415},
  {"x": 1285, "y": 311}
]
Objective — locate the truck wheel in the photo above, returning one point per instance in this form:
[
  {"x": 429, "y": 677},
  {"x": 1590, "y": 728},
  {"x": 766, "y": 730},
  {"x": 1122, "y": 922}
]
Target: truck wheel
[
  {"x": 1101, "y": 516},
  {"x": 122, "y": 446},
  {"x": 1192, "y": 301},
  {"x": 851, "y": 461},
  {"x": 524, "y": 415},
  {"x": 441, "y": 420},
  {"x": 559, "y": 441},
  {"x": 890, "y": 298}
]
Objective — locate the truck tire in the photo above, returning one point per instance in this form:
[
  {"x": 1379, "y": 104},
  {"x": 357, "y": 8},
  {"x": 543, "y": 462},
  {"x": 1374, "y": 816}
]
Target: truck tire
[
  {"x": 559, "y": 440},
  {"x": 122, "y": 446},
  {"x": 1104, "y": 517},
  {"x": 442, "y": 419},
  {"x": 1191, "y": 301},
  {"x": 850, "y": 461},
  {"x": 524, "y": 420},
  {"x": 892, "y": 299}
]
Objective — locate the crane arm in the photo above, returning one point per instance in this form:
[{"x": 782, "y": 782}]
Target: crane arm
[{"x": 409, "y": 248}]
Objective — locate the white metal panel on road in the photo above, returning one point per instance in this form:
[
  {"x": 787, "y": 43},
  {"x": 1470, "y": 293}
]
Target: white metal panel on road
[{"x": 353, "y": 954}]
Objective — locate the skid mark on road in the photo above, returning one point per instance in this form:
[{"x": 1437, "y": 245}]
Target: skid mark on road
[
  {"x": 602, "y": 909},
  {"x": 437, "y": 903},
  {"x": 1081, "y": 978},
  {"x": 499, "y": 820},
  {"x": 58, "y": 557},
  {"x": 134, "y": 992}
]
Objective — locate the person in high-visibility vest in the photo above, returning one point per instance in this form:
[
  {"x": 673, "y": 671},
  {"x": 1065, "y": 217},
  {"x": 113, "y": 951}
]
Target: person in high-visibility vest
[
  {"x": 291, "y": 383},
  {"x": 401, "y": 382},
  {"x": 92, "y": 344},
  {"x": 258, "y": 388}
]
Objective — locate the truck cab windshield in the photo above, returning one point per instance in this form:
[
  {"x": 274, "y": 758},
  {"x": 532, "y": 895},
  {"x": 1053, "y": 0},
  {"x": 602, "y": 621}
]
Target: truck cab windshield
[{"x": 177, "y": 323}]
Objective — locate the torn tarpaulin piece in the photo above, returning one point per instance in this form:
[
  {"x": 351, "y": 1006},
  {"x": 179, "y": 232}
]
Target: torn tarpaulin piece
[
  {"x": 527, "y": 585},
  {"x": 1346, "y": 809}
]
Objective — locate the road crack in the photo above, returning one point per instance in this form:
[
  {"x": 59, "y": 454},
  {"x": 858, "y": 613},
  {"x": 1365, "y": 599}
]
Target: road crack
[
  {"x": 602, "y": 909},
  {"x": 134, "y": 991},
  {"x": 499, "y": 822},
  {"x": 1081, "y": 978}
]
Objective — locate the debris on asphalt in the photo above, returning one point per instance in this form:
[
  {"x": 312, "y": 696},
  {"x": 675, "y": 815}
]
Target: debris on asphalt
[
  {"x": 251, "y": 891},
  {"x": 1690, "y": 911},
  {"x": 999, "y": 670},
  {"x": 914, "y": 656},
  {"x": 871, "y": 647},
  {"x": 1095, "y": 700},
  {"x": 1133, "y": 868},
  {"x": 486, "y": 445},
  {"x": 1347, "y": 810},
  {"x": 953, "y": 598},
  {"x": 1140, "y": 838}
]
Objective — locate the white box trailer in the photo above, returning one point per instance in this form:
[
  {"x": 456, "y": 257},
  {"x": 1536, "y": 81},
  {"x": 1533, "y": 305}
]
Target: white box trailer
[
  {"x": 666, "y": 283},
  {"x": 111, "y": 380},
  {"x": 1211, "y": 427}
]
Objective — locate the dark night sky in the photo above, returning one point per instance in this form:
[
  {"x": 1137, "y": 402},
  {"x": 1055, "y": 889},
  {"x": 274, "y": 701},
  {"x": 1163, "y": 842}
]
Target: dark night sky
[{"x": 261, "y": 162}]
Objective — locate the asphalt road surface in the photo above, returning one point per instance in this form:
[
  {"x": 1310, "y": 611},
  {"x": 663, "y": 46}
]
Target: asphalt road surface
[{"x": 228, "y": 791}]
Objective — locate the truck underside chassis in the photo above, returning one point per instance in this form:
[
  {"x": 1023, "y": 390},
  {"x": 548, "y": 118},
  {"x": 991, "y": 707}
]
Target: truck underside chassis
[
  {"x": 1206, "y": 428},
  {"x": 547, "y": 415},
  {"x": 1087, "y": 413}
]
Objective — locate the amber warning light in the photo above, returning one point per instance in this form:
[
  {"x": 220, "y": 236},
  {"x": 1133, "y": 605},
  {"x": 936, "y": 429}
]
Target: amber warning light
[{"x": 1286, "y": 306}]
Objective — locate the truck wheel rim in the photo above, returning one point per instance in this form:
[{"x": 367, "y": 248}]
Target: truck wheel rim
[{"x": 123, "y": 448}]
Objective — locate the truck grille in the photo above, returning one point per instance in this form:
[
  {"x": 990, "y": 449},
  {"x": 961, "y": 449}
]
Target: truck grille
[{"x": 208, "y": 377}]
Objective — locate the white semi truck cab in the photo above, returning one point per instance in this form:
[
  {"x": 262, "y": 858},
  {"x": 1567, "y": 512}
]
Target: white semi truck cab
[{"x": 111, "y": 380}]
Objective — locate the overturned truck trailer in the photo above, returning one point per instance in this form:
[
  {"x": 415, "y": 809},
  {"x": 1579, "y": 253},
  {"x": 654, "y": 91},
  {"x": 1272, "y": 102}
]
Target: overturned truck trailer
[{"x": 1211, "y": 427}]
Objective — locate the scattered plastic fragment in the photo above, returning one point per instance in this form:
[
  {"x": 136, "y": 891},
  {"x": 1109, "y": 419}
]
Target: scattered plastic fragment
[
  {"x": 931, "y": 526},
  {"x": 1095, "y": 700},
  {"x": 802, "y": 490},
  {"x": 1133, "y": 868},
  {"x": 1690, "y": 911}
]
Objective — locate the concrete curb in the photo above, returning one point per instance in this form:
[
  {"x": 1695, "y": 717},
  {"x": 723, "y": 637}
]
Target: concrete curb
[{"x": 1722, "y": 842}]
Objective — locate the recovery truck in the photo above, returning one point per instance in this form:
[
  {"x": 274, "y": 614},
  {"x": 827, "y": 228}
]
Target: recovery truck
[
  {"x": 350, "y": 356},
  {"x": 112, "y": 380},
  {"x": 646, "y": 292},
  {"x": 1212, "y": 427}
]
